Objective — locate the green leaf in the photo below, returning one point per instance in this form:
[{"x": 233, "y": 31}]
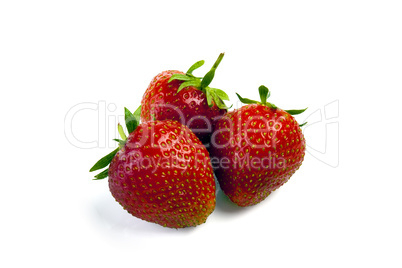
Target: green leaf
[
  {"x": 221, "y": 105},
  {"x": 294, "y": 112},
  {"x": 264, "y": 94},
  {"x": 209, "y": 97},
  {"x": 207, "y": 78},
  {"x": 102, "y": 175},
  {"x": 246, "y": 101},
  {"x": 271, "y": 105},
  {"x": 181, "y": 77},
  {"x": 213, "y": 92},
  {"x": 121, "y": 132},
  {"x": 191, "y": 83},
  {"x": 131, "y": 121},
  {"x": 137, "y": 114},
  {"x": 221, "y": 94},
  {"x": 214, "y": 97},
  {"x": 301, "y": 125},
  {"x": 104, "y": 161},
  {"x": 195, "y": 66},
  {"x": 121, "y": 142}
]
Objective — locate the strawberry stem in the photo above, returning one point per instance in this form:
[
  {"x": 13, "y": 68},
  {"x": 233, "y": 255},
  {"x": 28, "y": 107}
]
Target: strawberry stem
[
  {"x": 210, "y": 75},
  {"x": 264, "y": 94}
]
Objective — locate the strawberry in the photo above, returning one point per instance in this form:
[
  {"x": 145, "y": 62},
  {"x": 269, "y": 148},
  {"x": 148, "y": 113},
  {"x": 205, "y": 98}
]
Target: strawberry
[
  {"x": 257, "y": 147},
  {"x": 185, "y": 98},
  {"x": 161, "y": 173}
]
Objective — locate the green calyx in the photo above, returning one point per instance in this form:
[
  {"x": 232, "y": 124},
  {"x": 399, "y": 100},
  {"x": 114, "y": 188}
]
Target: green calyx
[
  {"x": 216, "y": 95},
  {"x": 264, "y": 95},
  {"x": 132, "y": 121}
]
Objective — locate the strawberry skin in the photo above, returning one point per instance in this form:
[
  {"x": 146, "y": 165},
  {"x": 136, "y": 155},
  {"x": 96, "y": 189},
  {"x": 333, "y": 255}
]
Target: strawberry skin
[
  {"x": 259, "y": 149},
  {"x": 163, "y": 174},
  {"x": 161, "y": 101}
]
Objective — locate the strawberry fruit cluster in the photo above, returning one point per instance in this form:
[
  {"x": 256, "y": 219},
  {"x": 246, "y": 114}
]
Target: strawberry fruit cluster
[{"x": 183, "y": 136}]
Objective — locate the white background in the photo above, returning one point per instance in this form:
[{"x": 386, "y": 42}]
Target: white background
[{"x": 341, "y": 209}]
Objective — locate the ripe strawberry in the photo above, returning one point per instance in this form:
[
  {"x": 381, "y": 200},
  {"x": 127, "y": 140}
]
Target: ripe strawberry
[
  {"x": 161, "y": 173},
  {"x": 185, "y": 98},
  {"x": 259, "y": 147}
]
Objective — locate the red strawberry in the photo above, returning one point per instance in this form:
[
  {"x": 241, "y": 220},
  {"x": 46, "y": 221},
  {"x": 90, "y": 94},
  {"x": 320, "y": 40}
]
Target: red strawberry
[
  {"x": 259, "y": 147},
  {"x": 162, "y": 174},
  {"x": 185, "y": 98}
]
